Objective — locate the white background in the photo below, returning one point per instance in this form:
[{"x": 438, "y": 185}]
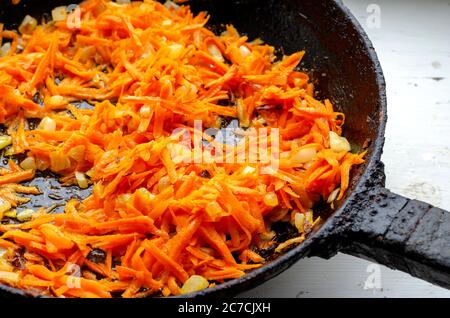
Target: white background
[{"x": 413, "y": 45}]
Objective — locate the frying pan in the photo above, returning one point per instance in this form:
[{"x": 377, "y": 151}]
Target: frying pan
[{"x": 370, "y": 222}]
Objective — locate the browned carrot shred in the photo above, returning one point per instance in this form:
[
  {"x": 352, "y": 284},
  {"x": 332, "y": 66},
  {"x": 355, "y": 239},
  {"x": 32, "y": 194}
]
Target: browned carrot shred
[{"x": 149, "y": 69}]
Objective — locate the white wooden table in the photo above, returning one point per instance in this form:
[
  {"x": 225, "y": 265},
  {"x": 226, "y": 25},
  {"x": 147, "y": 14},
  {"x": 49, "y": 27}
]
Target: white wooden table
[{"x": 413, "y": 45}]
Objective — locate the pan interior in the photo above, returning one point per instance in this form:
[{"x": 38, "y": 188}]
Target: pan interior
[{"x": 337, "y": 58}]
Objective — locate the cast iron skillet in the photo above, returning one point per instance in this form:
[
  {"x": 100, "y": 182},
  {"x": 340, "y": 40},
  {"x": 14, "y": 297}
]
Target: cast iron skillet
[{"x": 371, "y": 222}]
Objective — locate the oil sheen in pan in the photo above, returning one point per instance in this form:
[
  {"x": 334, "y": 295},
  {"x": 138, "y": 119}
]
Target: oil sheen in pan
[{"x": 53, "y": 195}]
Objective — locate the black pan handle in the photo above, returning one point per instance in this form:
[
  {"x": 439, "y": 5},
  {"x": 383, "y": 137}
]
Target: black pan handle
[{"x": 400, "y": 233}]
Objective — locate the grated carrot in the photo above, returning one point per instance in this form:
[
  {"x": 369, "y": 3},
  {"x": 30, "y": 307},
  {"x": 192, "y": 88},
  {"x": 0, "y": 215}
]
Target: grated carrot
[{"x": 154, "y": 219}]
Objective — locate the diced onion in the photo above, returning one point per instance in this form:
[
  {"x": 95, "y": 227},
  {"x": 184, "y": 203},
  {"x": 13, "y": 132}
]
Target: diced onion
[
  {"x": 56, "y": 101},
  {"x": 171, "y": 5},
  {"x": 179, "y": 153},
  {"x": 81, "y": 180},
  {"x": 4, "y": 49},
  {"x": 41, "y": 164},
  {"x": 194, "y": 283},
  {"x": 9, "y": 277},
  {"x": 248, "y": 170},
  {"x": 28, "y": 25},
  {"x": 4, "y": 206},
  {"x": 338, "y": 143},
  {"x": 215, "y": 52},
  {"x": 271, "y": 199},
  {"x": 333, "y": 195},
  {"x": 5, "y": 141},
  {"x": 59, "y": 14},
  {"x": 47, "y": 124},
  {"x": 25, "y": 215},
  {"x": 11, "y": 214},
  {"x": 304, "y": 155},
  {"x": 166, "y": 22},
  {"x": 244, "y": 50},
  {"x": 267, "y": 236},
  {"x": 299, "y": 221},
  {"x": 28, "y": 164}
]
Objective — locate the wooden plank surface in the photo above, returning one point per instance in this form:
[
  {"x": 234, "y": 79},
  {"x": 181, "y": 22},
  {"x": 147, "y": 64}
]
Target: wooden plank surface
[{"x": 413, "y": 45}]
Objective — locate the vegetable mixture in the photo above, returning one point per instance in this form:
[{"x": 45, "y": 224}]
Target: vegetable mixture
[{"x": 108, "y": 84}]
